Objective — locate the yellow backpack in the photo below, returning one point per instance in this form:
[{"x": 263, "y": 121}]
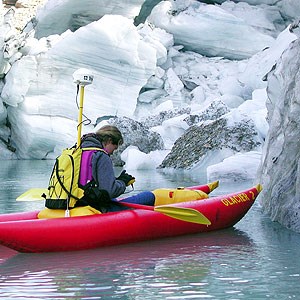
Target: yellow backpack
[{"x": 64, "y": 186}]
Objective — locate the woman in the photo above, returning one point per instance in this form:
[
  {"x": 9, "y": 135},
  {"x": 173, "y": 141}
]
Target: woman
[
  {"x": 108, "y": 138},
  {"x": 85, "y": 179}
]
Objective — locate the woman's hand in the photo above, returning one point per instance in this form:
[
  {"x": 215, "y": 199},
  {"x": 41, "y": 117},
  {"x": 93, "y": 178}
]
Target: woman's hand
[{"x": 126, "y": 178}]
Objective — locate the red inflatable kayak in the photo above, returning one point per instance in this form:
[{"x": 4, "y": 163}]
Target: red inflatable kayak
[{"x": 24, "y": 232}]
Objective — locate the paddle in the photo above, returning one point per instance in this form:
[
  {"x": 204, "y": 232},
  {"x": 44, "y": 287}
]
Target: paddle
[
  {"x": 180, "y": 213},
  {"x": 33, "y": 194}
]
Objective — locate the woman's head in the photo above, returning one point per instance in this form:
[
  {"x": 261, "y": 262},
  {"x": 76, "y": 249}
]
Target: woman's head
[{"x": 110, "y": 136}]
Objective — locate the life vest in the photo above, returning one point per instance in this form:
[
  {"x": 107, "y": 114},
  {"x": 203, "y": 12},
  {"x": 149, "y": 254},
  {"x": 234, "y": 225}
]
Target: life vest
[{"x": 72, "y": 171}]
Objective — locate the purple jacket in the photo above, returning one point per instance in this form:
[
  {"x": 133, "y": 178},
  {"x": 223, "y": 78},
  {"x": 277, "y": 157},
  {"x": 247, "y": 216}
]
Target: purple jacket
[{"x": 102, "y": 169}]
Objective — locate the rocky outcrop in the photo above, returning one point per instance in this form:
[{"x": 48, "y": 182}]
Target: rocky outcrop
[
  {"x": 135, "y": 134},
  {"x": 199, "y": 140},
  {"x": 24, "y": 11}
]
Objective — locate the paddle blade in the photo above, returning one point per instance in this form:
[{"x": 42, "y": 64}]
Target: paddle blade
[
  {"x": 213, "y": 185},
  {"x": 184, "y": 214},
  {"x": 33, "y": 195}
]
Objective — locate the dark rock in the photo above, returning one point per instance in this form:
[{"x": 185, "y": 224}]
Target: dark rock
[
  {"x": 197, "y": 141},
  {"x": 157, "y": 120},
  {"x": 213, "y": 112},
  {"x": 135, "y": 134}
]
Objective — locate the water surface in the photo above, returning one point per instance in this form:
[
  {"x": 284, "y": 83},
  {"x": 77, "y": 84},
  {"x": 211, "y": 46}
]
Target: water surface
[{"x": 256, "y": 259}]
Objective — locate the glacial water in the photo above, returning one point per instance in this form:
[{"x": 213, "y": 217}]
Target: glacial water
[{"x": 256, "y": 259}]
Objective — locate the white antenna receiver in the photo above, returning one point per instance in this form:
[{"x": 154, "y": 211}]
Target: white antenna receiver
[{"x": 83, "y": 77}]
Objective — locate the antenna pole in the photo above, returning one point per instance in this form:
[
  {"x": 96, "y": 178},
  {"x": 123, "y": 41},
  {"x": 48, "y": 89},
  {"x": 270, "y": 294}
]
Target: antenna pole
[
  {"x": 80, "y": 112},
  {"x": 82, "y": 77}
]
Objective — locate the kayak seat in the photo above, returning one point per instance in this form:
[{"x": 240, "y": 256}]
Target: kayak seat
[
  {"x": 170, "y": 196},
  {"x": 48, "y": 213}
]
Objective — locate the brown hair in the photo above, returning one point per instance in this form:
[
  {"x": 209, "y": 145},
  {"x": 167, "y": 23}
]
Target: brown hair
[{"x": 110, "y": 132}]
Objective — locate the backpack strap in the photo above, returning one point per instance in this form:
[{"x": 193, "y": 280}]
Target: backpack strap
[
  {"x": 69, "y": 193},
  {"x": 86, "y": 170}
]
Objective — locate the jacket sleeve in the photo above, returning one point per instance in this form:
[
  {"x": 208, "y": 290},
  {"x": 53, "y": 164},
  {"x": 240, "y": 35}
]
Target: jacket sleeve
[{"x": 103, "y": 173}]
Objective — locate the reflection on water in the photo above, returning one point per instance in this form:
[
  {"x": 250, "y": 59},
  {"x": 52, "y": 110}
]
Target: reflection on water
[
  {"x": 167, "y": 267},
  {"x": 257, "y": 259}
]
